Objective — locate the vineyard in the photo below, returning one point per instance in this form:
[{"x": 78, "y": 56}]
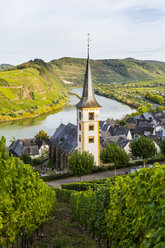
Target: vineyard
[
  {"x": 125, "y": 211},
  {"x": 26, "y": 202},
  {"x": 119, "y": 212}
]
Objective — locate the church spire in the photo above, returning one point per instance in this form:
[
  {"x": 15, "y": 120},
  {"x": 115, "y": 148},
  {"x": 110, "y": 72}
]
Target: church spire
[
  {"x": 88, "y": 43},
  {"x": 88, "y": 99}
]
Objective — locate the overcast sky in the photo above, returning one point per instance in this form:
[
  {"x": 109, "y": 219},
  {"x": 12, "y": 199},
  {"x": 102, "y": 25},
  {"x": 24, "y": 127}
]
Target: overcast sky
[{"x": 50, "y": 29}]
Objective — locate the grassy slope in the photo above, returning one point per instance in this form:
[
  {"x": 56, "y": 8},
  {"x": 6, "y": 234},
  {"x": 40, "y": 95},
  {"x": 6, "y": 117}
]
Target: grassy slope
[{"x": 33, "y": 81}]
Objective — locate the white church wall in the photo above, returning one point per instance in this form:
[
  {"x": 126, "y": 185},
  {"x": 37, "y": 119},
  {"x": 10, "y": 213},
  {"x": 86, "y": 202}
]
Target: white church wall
[{"x": 86, "y": 134}]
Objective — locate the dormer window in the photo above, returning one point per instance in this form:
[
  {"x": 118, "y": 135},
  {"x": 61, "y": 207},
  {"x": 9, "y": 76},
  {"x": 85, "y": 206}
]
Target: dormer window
[{"x": 91, "y": 116}]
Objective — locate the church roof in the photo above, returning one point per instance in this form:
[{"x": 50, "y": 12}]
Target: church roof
[
  {"x": 88, "y": 99},
  {"x": 65, "y": 137},
  {"x": 17, "y": 148}
]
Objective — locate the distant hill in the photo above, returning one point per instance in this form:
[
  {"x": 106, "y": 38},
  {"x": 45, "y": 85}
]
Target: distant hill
[
  {"x": 110, "y": 70},
  {"x": 5, "y": 66},
  {"x": 37, "y": 87}
]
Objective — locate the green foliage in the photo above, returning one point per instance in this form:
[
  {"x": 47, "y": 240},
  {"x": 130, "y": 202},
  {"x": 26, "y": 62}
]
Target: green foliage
[
  {"x": 139, "y": 219},
  {"x": 7, "y": 93},
  {"x": 160, "y": 109},
  {"x": 114, "y": 154},
  {"x": 143, "y": 147},
  {"x": 81, "y": 163},
  {"x": 63, "y": 195},
  {"x": 26, "y": 159},
  {"x": 25, "y": 200},
  {"x": 83, "y": 186},
  {"x": 142, "y": 109},
  {"x": 162, "y": 147},
  {"x": 42, "y": 135},
  {"x": 128, "y": 211},
  {"x": 155, "y": 98}
]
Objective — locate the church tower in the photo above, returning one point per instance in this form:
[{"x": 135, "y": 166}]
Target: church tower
[{"x": 88, "y": 115}]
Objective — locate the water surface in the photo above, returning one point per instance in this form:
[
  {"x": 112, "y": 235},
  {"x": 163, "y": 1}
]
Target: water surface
[{"x": 28, "y": 128}]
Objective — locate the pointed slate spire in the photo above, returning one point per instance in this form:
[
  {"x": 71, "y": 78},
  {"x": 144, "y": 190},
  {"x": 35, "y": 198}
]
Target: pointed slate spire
[{"x": 88, "y": 99}]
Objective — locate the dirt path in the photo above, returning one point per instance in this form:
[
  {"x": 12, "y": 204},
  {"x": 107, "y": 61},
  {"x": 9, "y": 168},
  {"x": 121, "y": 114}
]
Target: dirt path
[{"x": 63, "y": 231}]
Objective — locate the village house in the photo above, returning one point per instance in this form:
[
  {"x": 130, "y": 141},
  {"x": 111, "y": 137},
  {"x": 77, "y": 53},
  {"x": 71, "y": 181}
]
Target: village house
[
  {"x": 33, "y": 147},
  {"x": 121, "y": 141},
  {"x": 117, "y": 130}
]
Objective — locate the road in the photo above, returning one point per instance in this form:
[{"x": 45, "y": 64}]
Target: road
[{"x": 95, "y": 176}]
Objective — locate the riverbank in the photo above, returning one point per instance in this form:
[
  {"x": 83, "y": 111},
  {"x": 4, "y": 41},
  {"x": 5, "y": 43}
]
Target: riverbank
[
  {"x": 36, "y": 112},
  {"x": 132, "y": 94},
  {"x": 75, "y": 94},
  {"x": 40, "y": 111},
  {"x": 116, "y": 98}
]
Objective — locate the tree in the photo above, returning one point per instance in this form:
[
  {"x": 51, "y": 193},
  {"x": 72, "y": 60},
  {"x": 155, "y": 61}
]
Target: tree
[
  {"x": 162, "y": 147},
  {"x": 42, "y": 135},
  {"x": 81, "y": 163},
  {"x": 143, "y": 147},
  {"x": 114, "y": 154},
  {"x": 26, "y": 159}
]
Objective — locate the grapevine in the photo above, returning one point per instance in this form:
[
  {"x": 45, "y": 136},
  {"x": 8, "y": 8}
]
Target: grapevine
[{"x": 25, "y": 200}]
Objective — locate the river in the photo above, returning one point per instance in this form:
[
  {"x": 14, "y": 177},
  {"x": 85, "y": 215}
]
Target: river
[{"x": 28, "y": 128}]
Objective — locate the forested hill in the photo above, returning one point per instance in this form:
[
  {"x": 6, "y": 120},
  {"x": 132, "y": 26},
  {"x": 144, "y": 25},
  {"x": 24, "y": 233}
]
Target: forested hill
[
  {"x": 110, "y": 70},
  {"x": 25, "y": 89}
]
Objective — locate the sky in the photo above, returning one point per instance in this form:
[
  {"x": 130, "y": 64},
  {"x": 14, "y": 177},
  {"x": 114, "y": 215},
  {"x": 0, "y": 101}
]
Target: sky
[{"x": 51, "y": 29}]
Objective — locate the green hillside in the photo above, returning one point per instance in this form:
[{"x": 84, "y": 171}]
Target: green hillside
[
  {"x": 36, "y": 87},
  {"x": 28, "y": 90},
  {"x": 109, "y": 70},
  {"x": 5, "y": 66}
]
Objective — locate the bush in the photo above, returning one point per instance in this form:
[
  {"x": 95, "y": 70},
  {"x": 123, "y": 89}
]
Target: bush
[
  {"x": 57, "y": 176},
  {"x": 63, "y": 195},
  {"x": 26, "y": 159},
  {"x": 83, "y": 186}
]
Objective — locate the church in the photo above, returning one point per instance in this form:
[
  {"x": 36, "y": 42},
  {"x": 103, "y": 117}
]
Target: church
[{"x": 84, "y": 136}]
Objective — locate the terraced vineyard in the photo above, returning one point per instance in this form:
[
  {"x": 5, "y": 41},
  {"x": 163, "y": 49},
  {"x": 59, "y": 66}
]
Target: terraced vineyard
[{"x": 25, "y": 92}]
